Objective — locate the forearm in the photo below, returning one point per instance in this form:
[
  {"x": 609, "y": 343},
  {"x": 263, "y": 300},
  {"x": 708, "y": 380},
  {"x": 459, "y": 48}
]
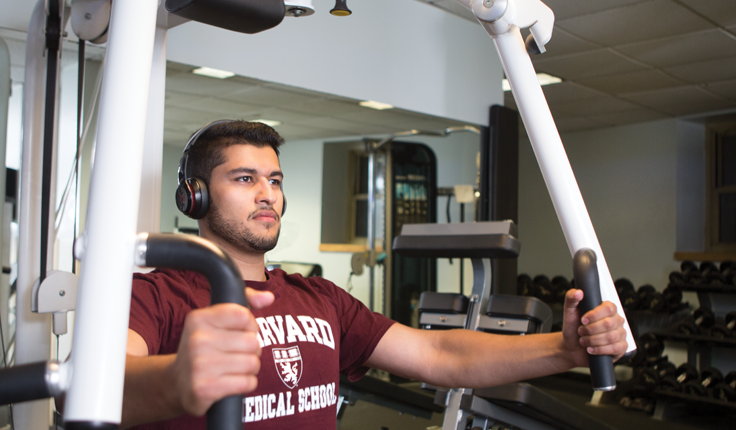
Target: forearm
[
  {"x": 150, "y": 391},
  {"x": 474, "y": 360},
  {"x": 462, "y": 358}
]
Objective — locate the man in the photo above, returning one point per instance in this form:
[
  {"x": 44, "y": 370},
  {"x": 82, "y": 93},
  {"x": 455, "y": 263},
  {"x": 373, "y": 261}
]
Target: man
[{"x": 286, "y": 352}]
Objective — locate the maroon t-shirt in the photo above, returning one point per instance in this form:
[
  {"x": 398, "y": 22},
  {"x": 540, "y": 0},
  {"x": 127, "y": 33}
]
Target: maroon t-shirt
[{"x": 312, "y": 332}]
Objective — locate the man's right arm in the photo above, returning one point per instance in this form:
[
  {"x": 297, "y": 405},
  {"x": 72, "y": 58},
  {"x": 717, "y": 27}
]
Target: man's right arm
[{"x": 218, "y": 356}]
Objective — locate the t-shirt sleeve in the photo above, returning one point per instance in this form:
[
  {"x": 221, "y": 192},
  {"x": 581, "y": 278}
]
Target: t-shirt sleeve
[
  {"x": 360, "y": 332},
  {"x": 146, "y": 312}
]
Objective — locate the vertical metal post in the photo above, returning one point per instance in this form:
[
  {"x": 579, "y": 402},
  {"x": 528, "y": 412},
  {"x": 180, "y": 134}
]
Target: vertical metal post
[
  {"x": 103, "y": 304},
  {"x": 149, "y": 214},
  {"x": 4, "y": 101},
  {"x": 33, "y": 331},
  {"x": 371, "y": 223}
]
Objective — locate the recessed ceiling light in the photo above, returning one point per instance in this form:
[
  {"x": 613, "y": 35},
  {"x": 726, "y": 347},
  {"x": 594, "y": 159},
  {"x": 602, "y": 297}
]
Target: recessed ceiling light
[
  {"x": 542, "y": 78},
  {"x": 268, "y": 122},
  {"x": 375, "y": 105},
  {"x": 213, "y": 73}
]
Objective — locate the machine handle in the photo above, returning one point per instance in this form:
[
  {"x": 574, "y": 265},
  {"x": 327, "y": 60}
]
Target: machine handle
[
  {"x": 585, "y": 270},
  {"x": 32, "y": 381},
  {"x": 178, "y": 251}
]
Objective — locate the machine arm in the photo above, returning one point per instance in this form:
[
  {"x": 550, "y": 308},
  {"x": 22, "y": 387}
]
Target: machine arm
[{"x": 502, "y": 19}]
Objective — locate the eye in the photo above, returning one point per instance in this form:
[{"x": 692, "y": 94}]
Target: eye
[
  {"x": 275, "y": 181},
  {"x": 245, "y": 179}
]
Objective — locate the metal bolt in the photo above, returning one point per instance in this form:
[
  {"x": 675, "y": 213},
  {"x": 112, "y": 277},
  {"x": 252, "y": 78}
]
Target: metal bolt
[
  {"x": 87, "y": 15},
  {"x": 502, "y": 323},
  {"x": 297, "y": 11},
  {"x": 487, "y": 3},
  {"x": 443, "y": 318},
  {"x": 62, "y": 293}
]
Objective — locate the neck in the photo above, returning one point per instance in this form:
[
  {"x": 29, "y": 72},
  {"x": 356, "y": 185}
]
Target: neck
[{"x": 252, "y": 266}]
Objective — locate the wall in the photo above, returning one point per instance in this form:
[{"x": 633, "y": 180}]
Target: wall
[
  {"x": 628, "y": 178},
  {"x": 403, "y": 52}
]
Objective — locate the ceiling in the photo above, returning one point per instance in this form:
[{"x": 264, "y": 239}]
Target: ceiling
[
  {"x": 622, "y": 61},
  {"x": 626, "y": 61}
]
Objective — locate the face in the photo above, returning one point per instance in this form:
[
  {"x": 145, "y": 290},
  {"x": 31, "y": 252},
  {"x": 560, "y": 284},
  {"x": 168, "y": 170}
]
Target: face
[{"x": 246, "y": 199}]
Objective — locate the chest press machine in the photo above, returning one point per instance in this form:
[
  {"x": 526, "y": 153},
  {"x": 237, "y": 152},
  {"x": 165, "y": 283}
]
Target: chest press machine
[
  {"x": 518, "y": 404},
  {"x": 93, "y": 378}
]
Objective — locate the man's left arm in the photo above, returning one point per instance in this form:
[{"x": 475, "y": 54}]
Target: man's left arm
[{"x": 462, "y": 358}]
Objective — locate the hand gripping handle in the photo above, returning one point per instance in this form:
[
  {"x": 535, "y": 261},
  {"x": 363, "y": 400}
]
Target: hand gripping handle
[
  {"x": 226, "y": 285},
  {"x": 585, "y": 270}
]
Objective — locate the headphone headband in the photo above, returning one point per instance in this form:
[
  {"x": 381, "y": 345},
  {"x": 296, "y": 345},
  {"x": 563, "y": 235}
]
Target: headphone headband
[{"x": 182, "y": 173}]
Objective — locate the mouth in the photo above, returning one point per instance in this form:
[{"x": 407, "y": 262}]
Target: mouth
[{"x": 265, "y": 215}]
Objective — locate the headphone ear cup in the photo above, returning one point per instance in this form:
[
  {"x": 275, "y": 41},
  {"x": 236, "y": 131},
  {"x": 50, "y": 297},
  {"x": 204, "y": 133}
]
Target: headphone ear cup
[
  {"x": 192, "y": 198},
  {"x": 283, "y": 208}
]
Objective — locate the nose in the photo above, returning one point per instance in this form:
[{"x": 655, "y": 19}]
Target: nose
[{"x": 266, "y": 193}]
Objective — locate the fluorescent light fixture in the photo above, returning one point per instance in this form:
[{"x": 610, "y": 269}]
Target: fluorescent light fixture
[
  {"x": 542, "y": 78},
  {"x": 375, "y": 105},
  {"x": 268, "y": 122},
  {"x": 213, "y": 73}
]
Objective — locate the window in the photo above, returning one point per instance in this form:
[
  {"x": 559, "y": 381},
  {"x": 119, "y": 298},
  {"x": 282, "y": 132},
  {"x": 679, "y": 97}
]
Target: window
[{"x": 721, "y": 190}]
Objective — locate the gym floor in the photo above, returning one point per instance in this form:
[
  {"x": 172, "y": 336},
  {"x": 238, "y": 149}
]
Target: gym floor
[{"x": 573, "y": 391}]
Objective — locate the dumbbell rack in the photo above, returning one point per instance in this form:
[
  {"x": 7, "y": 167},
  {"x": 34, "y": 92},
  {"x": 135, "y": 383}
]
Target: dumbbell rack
[{"x": 699, "y": 349}]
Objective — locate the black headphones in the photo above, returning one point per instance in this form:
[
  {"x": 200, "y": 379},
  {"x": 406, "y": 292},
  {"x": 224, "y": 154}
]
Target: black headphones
[{"x": 192, "y": 197}]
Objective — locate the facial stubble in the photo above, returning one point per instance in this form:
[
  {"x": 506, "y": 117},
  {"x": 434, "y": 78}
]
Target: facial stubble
[{"x": 238, "y": 234}]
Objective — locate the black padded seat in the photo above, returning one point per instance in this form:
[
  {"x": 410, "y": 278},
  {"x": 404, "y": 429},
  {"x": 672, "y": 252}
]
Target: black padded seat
[
  {"x": 539, "y": 405},
  {"x": 536, "y": 311},
  {"x": 491, "y": 239},
  {"x": 453, "y": 303}
]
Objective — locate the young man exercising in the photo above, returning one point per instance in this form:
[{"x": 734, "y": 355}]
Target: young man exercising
[{"x": 286, "y": 353}]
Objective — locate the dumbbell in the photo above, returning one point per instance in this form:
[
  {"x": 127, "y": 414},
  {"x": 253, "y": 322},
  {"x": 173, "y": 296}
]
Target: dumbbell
[
  {"x": 683, "y": 374},
  {"x": 691, "y": 273},
  {"x": 672, "y": 297},
  {"x": 702, "y": 319},
  {"x": 724, "y": 330},
  {"x": 561, "y": 287},
  {"x": 677, "y": 278},
  {"x": 649, "y": 299},
  {"x": 708, "y": 267},
  {"x": 711, "y": 274},
  {"x": 726, "y": 390},
  {"x": 627, "y": 294},
  {"x": 650, "y": 349},
  {"x": 709, "y": 378},
  {"x": 524, "y": 285},
  {"x": 651, "y": 377},
  {"x": 545, "y": 289}
]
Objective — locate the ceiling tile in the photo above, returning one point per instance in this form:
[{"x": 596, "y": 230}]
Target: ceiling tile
[
  {"x": 648, "y": 20},
  {"x": 593, "y": 106},
  {"x": 270, "y": 96},
  {"x": 193, "y": 84},
  {"x": 175, "y": 98},
  {"x": 223, "y": 107},
  {"x": 687, "y": 48},
  {"x": 563, "y": 43},
  {"x": 721, "y": 11},
  {"x": 631, "y": 82},
  {"x": 585, "y": 65},
  {"x": 570, "y": 8},
  {"x": 283, "y": 115},
  {"x": 566, "y": 92},
  {"x": 725, "y": 89},
  {"x": 721, "y": 69},
  {"x": 318, "y": 107},
  {"x": 679, "y": 101},
  {"x": 190, "y": 117},
  {"x": 628, "y": 117}
]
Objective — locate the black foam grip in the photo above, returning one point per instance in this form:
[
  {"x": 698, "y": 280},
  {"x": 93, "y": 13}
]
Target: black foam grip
[
  {"x": 585, "y": 270},
  {"x": 23, "y": 383},
  {"x": 226, "y": 285}
]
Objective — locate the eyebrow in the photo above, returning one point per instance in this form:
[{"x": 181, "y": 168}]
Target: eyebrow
[{"x": 251, "y": 171}]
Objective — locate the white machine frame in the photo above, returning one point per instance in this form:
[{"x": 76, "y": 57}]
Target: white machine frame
[{"x": 95, "y": 389}]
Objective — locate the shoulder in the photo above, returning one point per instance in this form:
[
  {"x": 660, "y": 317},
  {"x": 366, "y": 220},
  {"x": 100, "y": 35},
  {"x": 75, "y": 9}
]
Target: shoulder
[
  {"x": 315, "y": 283},
  {"x": 168, "y": 279}
]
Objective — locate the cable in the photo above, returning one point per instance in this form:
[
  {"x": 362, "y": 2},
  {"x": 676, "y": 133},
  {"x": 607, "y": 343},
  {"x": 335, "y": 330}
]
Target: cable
[
  {"x": 447, "y": 211},
  {"x": 95, "y": 97},
  {"x": 349, "y": 286},
  {"x": 80, "y": 121}
]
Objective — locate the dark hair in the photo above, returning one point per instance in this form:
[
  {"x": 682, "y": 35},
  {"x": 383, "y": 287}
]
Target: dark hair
[{"x": 207, "y": 152}]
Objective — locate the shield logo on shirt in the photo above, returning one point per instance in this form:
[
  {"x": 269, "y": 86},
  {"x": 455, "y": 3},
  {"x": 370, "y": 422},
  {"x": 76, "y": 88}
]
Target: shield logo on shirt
[{"x": 288, "y": 365}]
